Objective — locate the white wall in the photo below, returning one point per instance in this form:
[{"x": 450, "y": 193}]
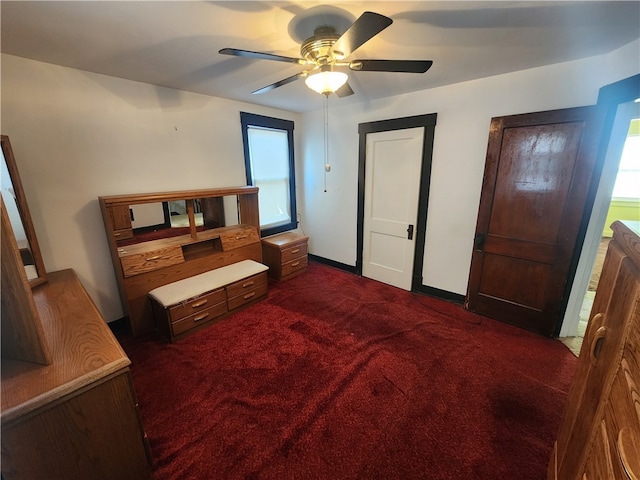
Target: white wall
[
  {"x": 464, "y": 114},
  {"x": 78, "y": 135}
]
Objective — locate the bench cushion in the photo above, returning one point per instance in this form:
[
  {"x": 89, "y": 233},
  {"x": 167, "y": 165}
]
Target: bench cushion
[{"x": 183, "y": 290}]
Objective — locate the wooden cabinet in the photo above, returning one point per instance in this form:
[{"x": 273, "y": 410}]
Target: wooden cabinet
[
  {"x": 76, "y": 417},
  {"x": 285, "y": 254},
  {"x": 599, "y": 437},
  {"x": 202, "y": 230},
  {"x": 120, "y": 218}
]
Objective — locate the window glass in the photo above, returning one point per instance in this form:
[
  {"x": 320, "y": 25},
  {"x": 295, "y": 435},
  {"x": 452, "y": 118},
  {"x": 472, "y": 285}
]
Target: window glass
[{"x": 628, "y": 180}]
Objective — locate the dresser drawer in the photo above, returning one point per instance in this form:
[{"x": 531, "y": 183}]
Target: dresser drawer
[
  {"x": 196, "y": 305},
  {"x": 246, "y": 284},
  {"x": 247, "y": 296},
  {"x": 239, "y": 237},
  {"x": 138, "y": 263},
  {"x": 293, "y": 252},
  {"x": 294, "y": 266},
  {"x": 124, "y": 234},
  {"x": 192, "y": 321}
]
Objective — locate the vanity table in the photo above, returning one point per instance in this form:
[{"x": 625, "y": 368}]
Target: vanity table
[{"x": 68, "y": 409}]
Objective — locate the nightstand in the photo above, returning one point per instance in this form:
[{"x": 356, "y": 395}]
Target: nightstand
[{"x": 285, "y": 254}]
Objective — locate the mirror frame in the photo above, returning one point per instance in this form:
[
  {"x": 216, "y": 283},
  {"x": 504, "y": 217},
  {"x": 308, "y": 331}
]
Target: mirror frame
[{"x": 23, "y": 208}]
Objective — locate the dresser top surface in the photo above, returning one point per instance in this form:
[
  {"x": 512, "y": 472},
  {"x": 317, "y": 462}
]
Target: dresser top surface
[
  {"x": 285, "y": 239},
  {"x": 82, "y": 346}
]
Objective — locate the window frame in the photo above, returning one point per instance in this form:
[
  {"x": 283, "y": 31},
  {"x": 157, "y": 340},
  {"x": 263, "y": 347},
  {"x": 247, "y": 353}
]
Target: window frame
[{"x": 254, "y": 120}]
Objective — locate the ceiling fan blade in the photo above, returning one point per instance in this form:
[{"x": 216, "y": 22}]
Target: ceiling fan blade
[
  {"x": 409, "y": 66},
  {"x": 345, "y": 90},
  {"x": 367, "y": 26},
  {"x": 261, "y": 56},
  {"x": 280, "y": 83}
]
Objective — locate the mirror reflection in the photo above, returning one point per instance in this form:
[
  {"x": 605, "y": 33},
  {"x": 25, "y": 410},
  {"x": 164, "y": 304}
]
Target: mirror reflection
[
  {"x": 151, "y": 221},
  {"x": 15, "y": 205}
]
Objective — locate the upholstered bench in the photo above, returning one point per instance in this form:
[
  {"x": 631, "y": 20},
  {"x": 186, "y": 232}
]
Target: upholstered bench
[{"x": 185, "y": 306}]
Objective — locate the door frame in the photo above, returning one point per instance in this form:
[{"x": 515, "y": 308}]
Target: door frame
[
  {"x": 428, "y": 121},
  {"x": 609, "y": 97}
]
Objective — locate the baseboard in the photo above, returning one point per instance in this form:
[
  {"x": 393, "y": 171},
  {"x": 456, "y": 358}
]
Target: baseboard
[
  {"x": 431, "y": 291},
  {"x": 333, "y": 263},
  {"x": 443, "y": 294}
]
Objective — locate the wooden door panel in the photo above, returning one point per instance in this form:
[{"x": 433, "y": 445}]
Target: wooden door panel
[
  {"x": 523, "y": 285},
  {"x": 535, "y": 251},
  {"x": 537, "y": 179},
  {"x": 533, "y": 180},
  {"x": 527, "y": 317}
]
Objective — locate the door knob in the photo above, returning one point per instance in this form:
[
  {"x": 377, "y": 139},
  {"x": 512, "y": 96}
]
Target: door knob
[{"x": 410, "y": 232}]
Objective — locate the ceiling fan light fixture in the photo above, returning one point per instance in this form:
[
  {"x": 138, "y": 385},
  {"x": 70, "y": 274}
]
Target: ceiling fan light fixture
[{"x": 326, "y": 82}]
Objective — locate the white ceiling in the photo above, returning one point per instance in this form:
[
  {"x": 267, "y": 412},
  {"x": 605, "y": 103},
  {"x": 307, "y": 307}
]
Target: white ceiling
[{"x": 175, "y": 44}]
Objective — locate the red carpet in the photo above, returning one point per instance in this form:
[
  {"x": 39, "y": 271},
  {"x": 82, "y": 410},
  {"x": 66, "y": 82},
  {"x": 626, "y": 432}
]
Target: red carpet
[{"x": 339, "y": 377}]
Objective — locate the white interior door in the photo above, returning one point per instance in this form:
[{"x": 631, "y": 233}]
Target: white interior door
[{"x": 392, "y": 185}]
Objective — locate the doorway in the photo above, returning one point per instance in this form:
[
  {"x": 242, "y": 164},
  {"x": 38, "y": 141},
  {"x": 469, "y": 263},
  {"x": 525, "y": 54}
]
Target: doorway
[
  {"x": 619, "y": 186},
  {"x": 426, "y": 123}
]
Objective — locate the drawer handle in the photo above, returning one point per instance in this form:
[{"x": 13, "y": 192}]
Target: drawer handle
[
  {"x": 248, "y": 284},
  {"x": 200, "y": 317},
  {"x": 627, "y": 452},
  {"x": 117, "y": 234},
  {"x": 295, "y": 251},
  {"x": 155, "y": 257},
  {"x": 596, "y": 344},
  {"x": 249, "y": 295},
  {"x": 241, "y": 237},
  {"x": 594, "y": 324},
  {"x": 199, "y": 304},
  {"x": 295, "y": 264}
]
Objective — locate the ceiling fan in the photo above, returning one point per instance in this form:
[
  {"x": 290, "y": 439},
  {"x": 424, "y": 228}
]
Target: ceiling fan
[{"x": 326, "y": 50}]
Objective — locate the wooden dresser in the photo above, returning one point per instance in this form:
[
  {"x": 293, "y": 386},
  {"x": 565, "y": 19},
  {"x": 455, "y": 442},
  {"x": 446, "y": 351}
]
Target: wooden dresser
[
  {"x": 219, "y": 227},
  {"x": 76, "y": 417},
  {"x": 285, "y": 254},
  {"x": 599, "y": 437}
]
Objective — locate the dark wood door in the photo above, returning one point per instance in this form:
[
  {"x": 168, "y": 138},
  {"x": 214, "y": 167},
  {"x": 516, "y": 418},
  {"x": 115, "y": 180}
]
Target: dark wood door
[{"x": 535, "y": 192}]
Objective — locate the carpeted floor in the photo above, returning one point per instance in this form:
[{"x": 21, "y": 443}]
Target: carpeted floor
[{"x": 340, "y": 377}]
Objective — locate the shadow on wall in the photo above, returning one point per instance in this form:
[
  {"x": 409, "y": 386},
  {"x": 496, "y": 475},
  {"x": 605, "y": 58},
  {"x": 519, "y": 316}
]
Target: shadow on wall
[{"x": 95, "y": 246}]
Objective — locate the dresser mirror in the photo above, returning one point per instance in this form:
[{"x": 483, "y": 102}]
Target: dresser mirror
[
  {"x": 15, "y": 203},
  {"x": 143, "y": 222}
]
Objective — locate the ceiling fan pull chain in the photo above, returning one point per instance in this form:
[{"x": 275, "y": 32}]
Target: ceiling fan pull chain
[{"x": 327, "y": 167}]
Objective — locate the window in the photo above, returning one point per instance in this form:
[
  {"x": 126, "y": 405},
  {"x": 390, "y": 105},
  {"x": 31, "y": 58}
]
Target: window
[
  {"x": 268, "y": 158},
  {"x": 628, "y": 180}
]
